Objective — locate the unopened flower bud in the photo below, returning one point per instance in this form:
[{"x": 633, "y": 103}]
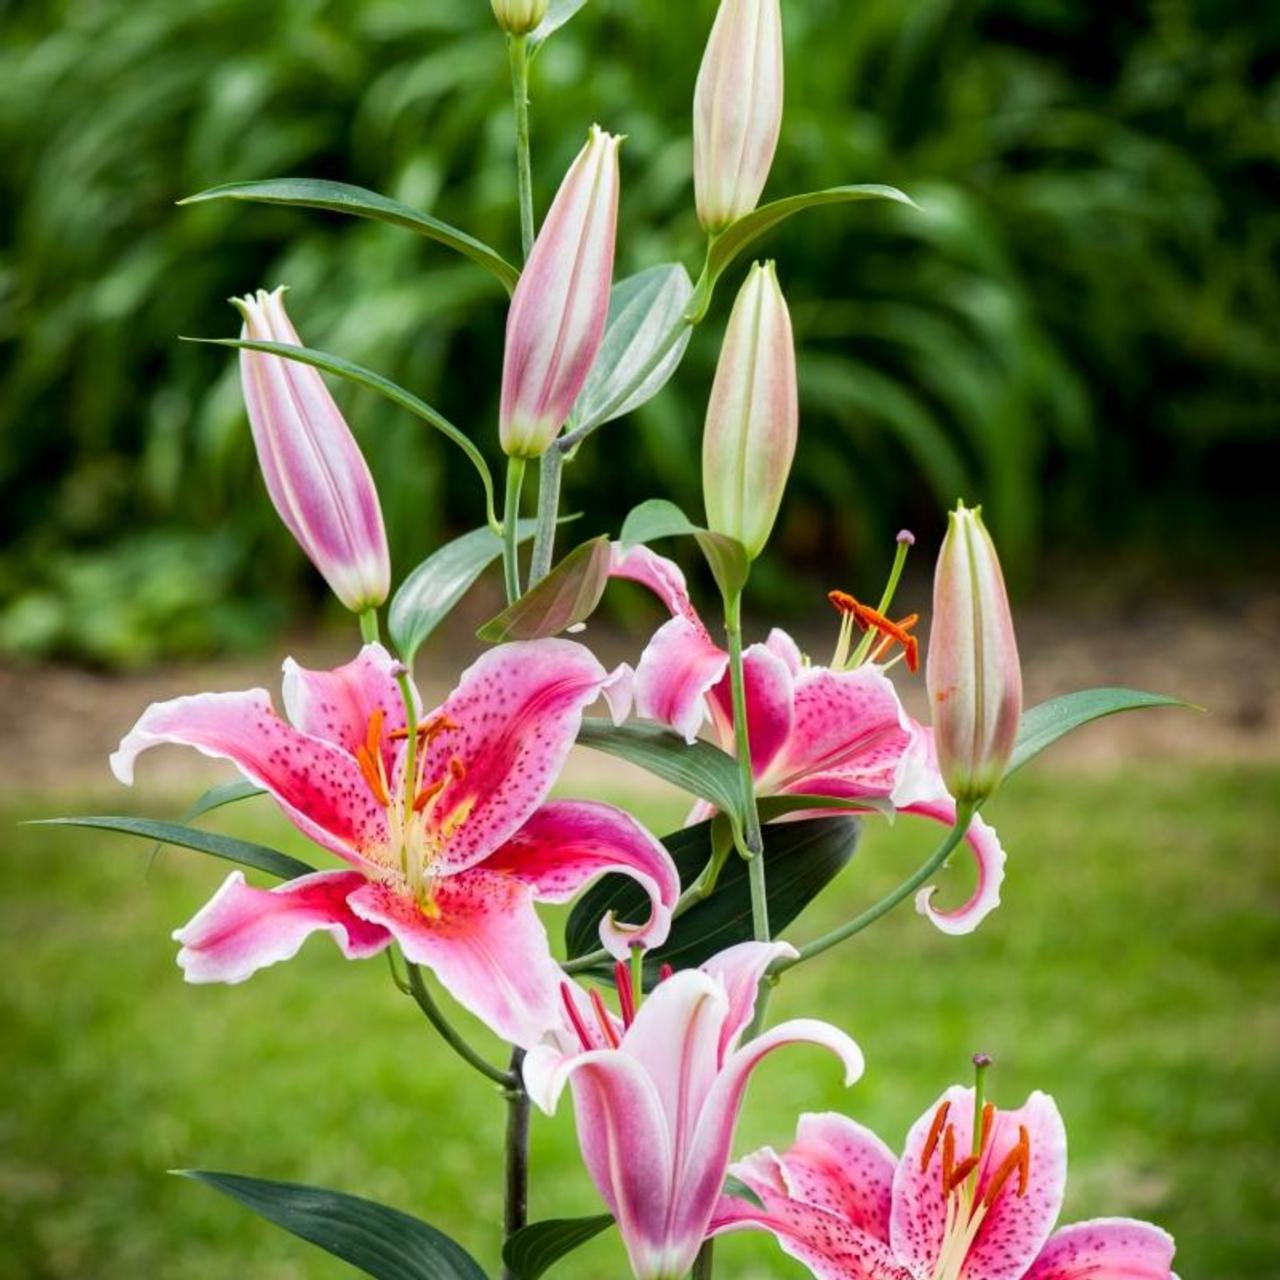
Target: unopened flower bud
[
  {"x": 973, "y": 675},
  {"x": 753, "y": 417},
  {"x": 737, "y": 110},
  {"x": 519, "y": 17},
  {"x": 316, "y": 475},
  {"x": 560, "y": 305}
]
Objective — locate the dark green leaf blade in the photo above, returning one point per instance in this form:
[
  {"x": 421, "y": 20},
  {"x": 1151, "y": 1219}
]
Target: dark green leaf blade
[
  {"x": 738, "y": 235},
  {"x": 699, "y": 768},
  {"x": 800, "y": 860},
  {"x": 363, "y": 377},
  {"x": 341, "y": 197},
  {"x": 427, "y": 595},
  {"x": 223, "y": 794},
  {"x": 378, "y": 1240},
  {"x": 1044, "y": 724},
  {"x": 247, "y": 854},
  {"x": 566, "y": 596},
  {"x": 535, "y": 1248}
]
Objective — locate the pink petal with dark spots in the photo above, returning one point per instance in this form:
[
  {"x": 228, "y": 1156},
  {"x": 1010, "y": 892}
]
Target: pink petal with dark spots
[
  {"x": 769, "y": 696},
  {"x": 1106, "y": 1249}
]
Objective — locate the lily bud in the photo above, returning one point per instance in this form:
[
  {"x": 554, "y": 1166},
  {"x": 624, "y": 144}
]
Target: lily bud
[
  {"x": 737, "y": 110},
  {"x": 519, "y": 17},
  {"x": 316, "y": 475},
  {"x": 560, "y": 305},
  {"x": 973, "y": 675},
  {"x": 752, "y": 417}
]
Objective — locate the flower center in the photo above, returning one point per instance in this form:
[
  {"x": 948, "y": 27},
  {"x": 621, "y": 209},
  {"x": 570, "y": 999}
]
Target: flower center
[
  {"x": 417, "y": 828},
  {"x": 958, "y": 1181}
]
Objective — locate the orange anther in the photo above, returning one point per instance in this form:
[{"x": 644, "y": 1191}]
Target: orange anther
[
  {"x": 427, "y": 795},
  {"x": 371, "y": 771},
  {"x": 870, "y": 619},
  {"x": 948, "y": 1155},
  {"x": 1019, "y": 1158},
  {"x": 373, "y": 734},
  {"x": 988, "y": 1118},
  {"x": 457, "y": 770},
  {"x": 960, "y": 1173},
  {"x": 931, "y": 1142}
]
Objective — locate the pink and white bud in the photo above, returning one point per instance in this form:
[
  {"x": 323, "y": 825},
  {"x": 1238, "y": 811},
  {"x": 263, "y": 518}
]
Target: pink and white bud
[
  {"x": 753, "y": 415},
  {"x": 973, "y": 674},
  {"x": 316, "y": 475},
  {"x": 519, "y": 17},
  {"x": 560, "y": 305},
  {"x": 737, "y": 110}
]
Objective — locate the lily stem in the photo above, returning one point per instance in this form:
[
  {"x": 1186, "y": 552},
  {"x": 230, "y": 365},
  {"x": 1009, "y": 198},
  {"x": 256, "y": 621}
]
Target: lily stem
[
  {"x": 752, "y": 840},
  {"x": 964, "y": 815},
  {"x": 703, "y": 1262},
  {"x": 369, "y": 625},
  {"x": 426, "y": 1002},
  {"x": 515, "y": 1210},
  {"x": 550, "y": 469},
  {"x": 511, "y": 529},
  {"x": 518, "y": 52}
]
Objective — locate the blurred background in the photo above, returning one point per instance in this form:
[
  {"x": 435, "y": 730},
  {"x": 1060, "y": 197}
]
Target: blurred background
[{"x": 1078, "y": 330}]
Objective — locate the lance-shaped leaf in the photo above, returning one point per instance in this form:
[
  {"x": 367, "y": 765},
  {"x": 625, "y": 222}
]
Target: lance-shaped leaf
[
  {"x": 739, "y": 235},
  {"x": 383, "y": 386},
  {"x": 699, "y": 768},
  {"x": 380, "y": 1241},
  {"x": 340, "y": 197},
  {"x": 245, "y": 852},
  {"x": 223, "y": 794},
  {"x": 535, "y": 1248},
  {"x": 659, "y": 518},
  {"x": 427, "y": 595},
  {"x": 644, "y": 341},
  {"x": 800, "y": 860},
  {"x": 1044, "y": 724},
  {"x": 566, "y": 596}
]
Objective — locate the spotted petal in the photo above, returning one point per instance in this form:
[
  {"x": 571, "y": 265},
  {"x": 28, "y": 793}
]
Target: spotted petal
[
  {"x": 739, "y": 970},
  {"x": 767, "y": 685},
  {"x": 482, "y": 938},
  {"x": 318, "y": 785},
  {"x": 516, "y": 712},
  {"x": 242, "y": 929},
  {"x": 1106, "y": 1249}
]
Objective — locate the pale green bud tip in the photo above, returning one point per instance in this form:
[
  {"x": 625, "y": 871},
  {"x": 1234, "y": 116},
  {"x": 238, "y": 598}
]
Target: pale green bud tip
[{"x": 519, "y": 17}]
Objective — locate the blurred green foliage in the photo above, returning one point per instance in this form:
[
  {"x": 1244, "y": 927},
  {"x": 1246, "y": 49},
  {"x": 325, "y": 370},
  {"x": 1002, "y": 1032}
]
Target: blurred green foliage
[{"x": 1078, "y": 330}]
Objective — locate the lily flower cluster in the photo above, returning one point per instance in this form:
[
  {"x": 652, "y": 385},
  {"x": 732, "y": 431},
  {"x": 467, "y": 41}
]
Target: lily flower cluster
[{"x": 443, "y": 823}]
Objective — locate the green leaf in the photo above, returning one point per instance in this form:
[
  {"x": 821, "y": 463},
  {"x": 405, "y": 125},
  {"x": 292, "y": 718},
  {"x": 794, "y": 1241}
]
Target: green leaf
[
  {"x": 340, "y": 197},
  {"x": 1043, "y": 725},
  {"x": 699, "y": 768},
  {"x": 375, "y": 382},
  {"x": 771, "y": 807},
  {"x": 658, "y": 518},
  {"x": 800, "y": 860},
  {"x": 738, "y": 235},
  {"x": 380, "y": 1241},
  {"x": 535, "y": 1248},
  {"x": 645, "y": 310},
  {"x": 566, "y": 596},
  {"x": 428, "y": 594},
  {"x": 558, "y": 13},
  {"x": 247, "y": 854},
  {"x": 224, "y": 793}
]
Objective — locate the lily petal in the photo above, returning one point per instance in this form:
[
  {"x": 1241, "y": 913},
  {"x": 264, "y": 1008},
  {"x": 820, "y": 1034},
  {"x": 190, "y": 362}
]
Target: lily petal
[
  {"x": 780, "y": 643},
  {"x": 703, "y": 1173},
  {"x": 739, "y": 969},
  {"x": 482, "y": 938},
  {"x": 989, "y": 860},
  {"x": 770, "y": 698},
  {"x": 567, "y": 843},
  {"x": 1117, "y": 1248},
  {"x": 841, "y": 1166},
  {"x": 336, "y": 706},
  {"x": 516, "y": 712},
  {"x": 242, "y": 929},
  {"x": 318, "y": 785},
  {"x": 680, "y": 666},
  {"x": 663, "y": 577}
]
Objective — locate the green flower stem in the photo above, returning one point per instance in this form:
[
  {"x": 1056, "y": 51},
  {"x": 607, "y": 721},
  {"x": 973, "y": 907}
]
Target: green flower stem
[
  {"x": 510, "y": 528},
  {"x": 702, "y": 1263},
  {"x": 369, "y": 625},
  {"x": 518, "y": 52},
  {"x": 515, "y": 1205},
  {"x": 426, "y": 1002},
  {"x": 752, "y": 841},
  {"x": 550, "y": 468},
  {"x": 964, "y": 815},
  {"x": 886, "y": 599}
]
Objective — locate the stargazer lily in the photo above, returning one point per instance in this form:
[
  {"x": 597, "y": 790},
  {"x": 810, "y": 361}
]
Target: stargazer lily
[
  {"x": 951, "y": 1209},
  {"x": 657, "y": 1094},
  {"x": 448, "y": 861},
  {"x": 837, "y": 730}
]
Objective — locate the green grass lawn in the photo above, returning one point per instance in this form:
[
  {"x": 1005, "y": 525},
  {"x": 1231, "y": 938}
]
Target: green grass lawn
[{"x": 1132, "y": 972}]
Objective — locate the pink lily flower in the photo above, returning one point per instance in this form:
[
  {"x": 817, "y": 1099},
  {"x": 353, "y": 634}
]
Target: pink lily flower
[
  {"x": 448, "y": 863},
  {"x": 950, "y": 1209},
  {"x": 814, "y": 730},
  {"x": 657, "y": 1095}
]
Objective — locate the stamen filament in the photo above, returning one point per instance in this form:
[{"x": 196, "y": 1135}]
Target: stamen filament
[
  {"x": 602, "y": 1017},
  {"x": 575, "y": 1018},
  {"x": 626, "y": 998}
]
